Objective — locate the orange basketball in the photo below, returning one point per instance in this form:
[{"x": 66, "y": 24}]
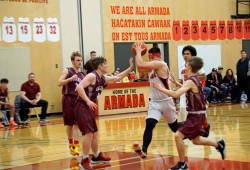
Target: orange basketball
[{"x": 143, "y": 46}]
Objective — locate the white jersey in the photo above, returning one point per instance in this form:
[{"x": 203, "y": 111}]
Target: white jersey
[
  {"x": 155, "y": 94},
  {"x": 160, "y": 103}
]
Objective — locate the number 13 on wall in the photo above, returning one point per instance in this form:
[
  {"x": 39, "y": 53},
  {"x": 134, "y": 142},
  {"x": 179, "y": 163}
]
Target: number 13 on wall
[{"x": 9, "y": 29}]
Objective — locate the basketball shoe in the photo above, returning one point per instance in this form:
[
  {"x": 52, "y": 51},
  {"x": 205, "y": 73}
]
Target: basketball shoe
[
  {"x": 138, "y": 149},
  {"x": 180, "y": 166},
  {"x": 100, "y": 159},
  {"x": 1, "y": 125},
  {"x": 74, "y": 150},
  {"x": 13, "y": 123},
  {"x": 85, "y": 164},
  {"x": 222, "y": 149}
]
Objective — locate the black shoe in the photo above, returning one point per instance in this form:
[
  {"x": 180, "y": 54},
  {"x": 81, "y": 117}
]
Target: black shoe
[
  {"x": 214, "y": 102},
  {"x": 207, "y": 131},
  {"x": 180, "y": 166},
  {"x": 222, "y": 149}
]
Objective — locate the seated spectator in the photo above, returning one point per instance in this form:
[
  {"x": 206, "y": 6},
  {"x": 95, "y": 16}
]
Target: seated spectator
[
  {"x": 230, "y": 82},
  {"x": 5, "y": 101},
  {"x": 207, "y": 90},
  {"x": 31, "y": 97},
  {"x": 132, "y": 77},
  {"x": 142, "y": 75},
  {"x": 212, "y": 82},
  {"x": 117, "y": 71},
  {"x": 125, "y": 79},
  {"x": 221, "y": 85}
]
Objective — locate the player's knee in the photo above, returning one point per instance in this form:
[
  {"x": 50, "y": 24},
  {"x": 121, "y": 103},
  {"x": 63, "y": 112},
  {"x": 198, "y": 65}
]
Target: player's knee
[
  {"x": 150, "y": 123},
  {"x": 95, "y": 135},
  {"x": 173, "y": 126},
  {"x": 89, "y": 135},
  {"x": 177, "y": 136},
  {"x": 196, "y": 141}
]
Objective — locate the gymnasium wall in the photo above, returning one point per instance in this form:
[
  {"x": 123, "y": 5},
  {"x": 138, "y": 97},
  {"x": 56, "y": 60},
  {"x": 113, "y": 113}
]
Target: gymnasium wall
[
  {"x": 35, "y": 26},
  {"x": 183, "y": 11}
]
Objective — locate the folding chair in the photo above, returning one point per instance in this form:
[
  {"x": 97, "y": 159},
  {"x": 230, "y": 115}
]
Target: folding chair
[
  {"x": 17, "y": 108},
  {"x": 5, "y": 119}
]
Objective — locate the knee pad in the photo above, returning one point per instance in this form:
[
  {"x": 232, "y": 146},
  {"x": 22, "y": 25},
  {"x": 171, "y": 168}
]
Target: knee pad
[{"x": 174, "y": 126}]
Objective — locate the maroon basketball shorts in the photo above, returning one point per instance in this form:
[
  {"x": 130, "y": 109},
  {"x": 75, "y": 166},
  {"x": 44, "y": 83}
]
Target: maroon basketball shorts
[
  {"x": 192, "y": 127},
  {"x": 85, "y": 117},
  {"x": 68, "y": 102}
]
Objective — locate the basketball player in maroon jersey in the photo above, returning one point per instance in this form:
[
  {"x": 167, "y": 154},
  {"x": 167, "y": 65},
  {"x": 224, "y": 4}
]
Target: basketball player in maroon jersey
[
  {"x": 188, "y": 52},
  {"x": 69, "y": 79},
  {"x": 192, "y": 128},
  {"x": 89, "y": 90}
]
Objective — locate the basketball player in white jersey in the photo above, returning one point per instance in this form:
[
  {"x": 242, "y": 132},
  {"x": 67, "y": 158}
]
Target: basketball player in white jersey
[
  {"x": 160, "y": 104},
  {"x": 187, "y": 52}
]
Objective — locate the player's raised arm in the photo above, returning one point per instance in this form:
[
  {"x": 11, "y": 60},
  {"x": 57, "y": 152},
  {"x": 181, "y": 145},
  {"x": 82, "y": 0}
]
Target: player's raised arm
[
  {"x": 120, "y": 76},
  {"x": 145, "y": 66}
]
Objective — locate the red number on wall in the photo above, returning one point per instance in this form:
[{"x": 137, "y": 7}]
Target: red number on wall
[
  {"x": 204, "y": 30},
  {"x": 176, "y": 30},
  {"x": 52, "y": 29},
  {"x": 238, "y": 29},
  {"x": 24, "y": 29},
  {"x": 195, "y": 32},
  {"x": 39, "y": 29},
  {"x": 247, "y": 29},
  {"x": 9, "y": 29},
  {"x": 185, "y": 30},
  {"x": 230, "y": 30},
  {"x": 213, "y": 30},
  {"x": 222, "y": 30}
]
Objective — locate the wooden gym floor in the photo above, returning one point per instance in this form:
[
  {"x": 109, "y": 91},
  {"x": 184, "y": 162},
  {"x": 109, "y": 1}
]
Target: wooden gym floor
[{"x": 46, "y": 147}]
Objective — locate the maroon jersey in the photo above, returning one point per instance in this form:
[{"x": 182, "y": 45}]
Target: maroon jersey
[
  {"x": 195, "y": 101},
  {"x": 31, "y": 90},
  {"x": 70, "y": 88},
  {"x": 3, "y": 95},
  {"x": 94, "y": 91}
]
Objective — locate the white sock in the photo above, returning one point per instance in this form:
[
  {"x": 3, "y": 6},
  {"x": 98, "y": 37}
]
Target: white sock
[
  {"x": 85, "y": 156},
  {"x": 96, "y": 154},
  {"x": 11, "y": 118}
]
